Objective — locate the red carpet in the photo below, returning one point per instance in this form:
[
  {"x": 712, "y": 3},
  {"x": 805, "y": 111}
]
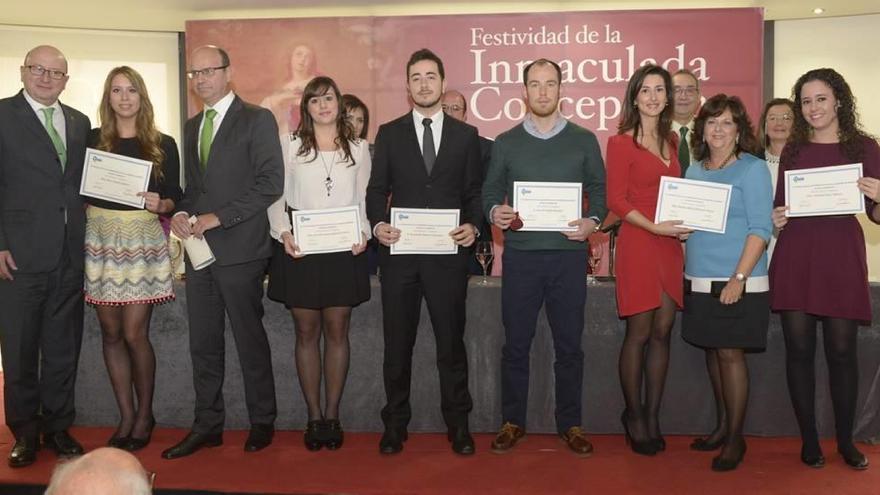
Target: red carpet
[{"x": 539, "y": 465}]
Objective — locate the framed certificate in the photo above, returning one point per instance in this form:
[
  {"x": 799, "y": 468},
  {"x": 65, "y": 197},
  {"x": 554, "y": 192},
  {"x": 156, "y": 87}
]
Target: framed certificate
[
  {"x": 330, "y": 230},
  {"x": 700, "y": 205},
  {"x": 424, "y": 230},
  {"x": 116, "y": 178},
  {"x": 548, "y": 206},
  {"x": 824, "y": 191}
]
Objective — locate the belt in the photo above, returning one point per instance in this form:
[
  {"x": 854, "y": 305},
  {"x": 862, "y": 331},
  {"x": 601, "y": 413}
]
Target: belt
[{"x": 704, "y": 284}]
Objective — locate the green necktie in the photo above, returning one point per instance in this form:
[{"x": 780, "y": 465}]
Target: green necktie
[
  {"x": 53, "y": 135},
  {"x": 206, "y": 137},
  {"x": 684, "y": 151}
]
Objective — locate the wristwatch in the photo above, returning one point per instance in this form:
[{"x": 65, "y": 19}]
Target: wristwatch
[{"x": 740, "y": 277}]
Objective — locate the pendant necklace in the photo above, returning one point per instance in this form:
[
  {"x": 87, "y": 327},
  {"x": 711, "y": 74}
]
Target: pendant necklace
[{"x": 328, "y": 182}]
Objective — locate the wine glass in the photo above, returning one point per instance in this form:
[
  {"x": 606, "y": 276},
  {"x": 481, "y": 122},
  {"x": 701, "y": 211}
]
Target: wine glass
[
  {"x": 597, "y": 251},
  {"x": 484, "y": 256}
]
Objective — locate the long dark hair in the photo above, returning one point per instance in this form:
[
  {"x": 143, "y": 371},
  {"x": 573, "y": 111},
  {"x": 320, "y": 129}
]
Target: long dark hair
[
  {"x": 632, "y": 119},
  {"x": 320, "y": 86},
  {"x": 351, "y": 102},
  {"x": 849, "y": 131},
  {"x": 762, "y": 124},
  {"x": 715, "y": 106}
]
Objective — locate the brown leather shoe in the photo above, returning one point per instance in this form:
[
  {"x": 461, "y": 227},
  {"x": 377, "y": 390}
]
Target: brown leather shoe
[
  {"x": 577, "y": 441},
  {"x": 507, "y": 438}
]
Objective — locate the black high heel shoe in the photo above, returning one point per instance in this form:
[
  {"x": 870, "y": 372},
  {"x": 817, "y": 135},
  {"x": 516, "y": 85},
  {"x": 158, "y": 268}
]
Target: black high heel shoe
[
  {"x": 645, "y": 447},
  {"x": 118, "y": 442},
  {"x": 659, "y": 443},
  {"x": 312, "y": 435},
  {"x": 813, "y": 458},
  {"x": 720, "y": 464},
  {"x": 333, "y": 434},
  {"x": 134, "y": 443},
  {"x": 703, "y": 444},
  {"x": 853, "y": 458}
]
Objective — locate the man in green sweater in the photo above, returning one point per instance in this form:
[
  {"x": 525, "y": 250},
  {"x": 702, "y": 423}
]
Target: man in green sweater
[{"x": 543, "y": 266}]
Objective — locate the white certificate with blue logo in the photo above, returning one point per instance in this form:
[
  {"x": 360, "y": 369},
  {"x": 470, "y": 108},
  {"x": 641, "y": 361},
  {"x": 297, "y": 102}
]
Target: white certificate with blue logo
[
  {"x": 824, "y": 191},
  {"x": 424, "y": 230},
  {"x": 548, "y": 206},
  {"x": 700, "y": 205},
  {"x": 116, "y": 178},
  {"x": 330, "y": 230}
]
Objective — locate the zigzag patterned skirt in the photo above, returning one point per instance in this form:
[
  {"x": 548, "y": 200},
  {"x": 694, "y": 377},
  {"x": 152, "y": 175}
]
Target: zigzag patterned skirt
[{"x": 127, "y": 258}]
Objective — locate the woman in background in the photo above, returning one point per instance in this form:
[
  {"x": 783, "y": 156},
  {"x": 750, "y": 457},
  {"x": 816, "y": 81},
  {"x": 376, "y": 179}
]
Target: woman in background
[
  {"x": 726, "y": 309},
  {"x": 649, "y": 255},
  {"x": 774, "y": 129},
  {"x": 325, "y": 167},
  {"x": 127, "y": 268},
  {"x": 805, "y": 287}
]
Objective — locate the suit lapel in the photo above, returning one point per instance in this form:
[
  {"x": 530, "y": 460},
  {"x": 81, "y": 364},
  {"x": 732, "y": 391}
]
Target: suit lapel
[
  {"x": 226, "y": 125},
  {"x": 72, "y": 134},
  {"x": 29, "y": 120},
  {"x": 412, "y": 144},
  {"x": 191, "y": 145}
]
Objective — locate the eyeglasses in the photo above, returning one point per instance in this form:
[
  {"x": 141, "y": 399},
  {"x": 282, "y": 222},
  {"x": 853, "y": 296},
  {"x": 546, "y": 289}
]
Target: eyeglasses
[
  {"x": 689, "y": 91},
  {"x": 454, "y": 108},
  {"x": 773, "y": 119},
  {"x": 39, "y": 70},
  {"x": 207, "y": 72}
]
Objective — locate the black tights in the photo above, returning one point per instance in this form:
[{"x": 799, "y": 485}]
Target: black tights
[
  {"x": 729, "y": 374},
  {"x": 130, "y": 360},
  {"x": 650, "y": 330},
  {"x": 308, "y": 324},
  {"x": 839, "y": 336}
]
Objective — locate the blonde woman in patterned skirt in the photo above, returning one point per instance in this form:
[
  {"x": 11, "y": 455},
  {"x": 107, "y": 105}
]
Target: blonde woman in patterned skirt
[{"x": 128, "y": 269}]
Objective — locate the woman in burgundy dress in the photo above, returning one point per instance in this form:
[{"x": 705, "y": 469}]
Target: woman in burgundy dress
[
  {"x": 819, "y": 271},
  {"x": 649, "y": 256}
]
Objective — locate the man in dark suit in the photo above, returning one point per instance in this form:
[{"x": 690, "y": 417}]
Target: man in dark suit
[
  {"x": 42, "y": 232},
  {"x": 234, "y": 171},
  {"x": 424, "y": 160}
]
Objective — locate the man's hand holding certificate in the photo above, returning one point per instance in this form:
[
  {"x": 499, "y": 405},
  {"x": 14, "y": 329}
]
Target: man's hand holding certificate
[
  {"x": 548, "y": 206},
  {"x": 699, "y": 205},
  {"x": 116, "y": 178},
  {"x": 424, "y": 231},
  {"x": 824, "y": 191}
]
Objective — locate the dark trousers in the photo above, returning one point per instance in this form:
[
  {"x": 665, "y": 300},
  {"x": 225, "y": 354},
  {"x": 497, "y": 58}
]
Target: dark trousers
[
  {"x": 41, "y": 327},
  {"x": 442, "y": 281},
  {"x": 236, "y": 291},
  {"x": 531, "y": 279}
]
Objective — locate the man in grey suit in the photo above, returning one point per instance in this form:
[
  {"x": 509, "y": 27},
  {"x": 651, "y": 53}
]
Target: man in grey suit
[
  {"x": 234, "y": 171},
  {"x": 42, "y": 231}
]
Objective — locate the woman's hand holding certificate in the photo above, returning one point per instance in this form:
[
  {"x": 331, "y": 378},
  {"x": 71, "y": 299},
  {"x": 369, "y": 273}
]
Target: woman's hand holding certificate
[
  {"x": 699, "y": 205},
  {"x": 330, "y": 230},
  {"x": 116, "y": 178},
  {"x": 824, "y": 191}
]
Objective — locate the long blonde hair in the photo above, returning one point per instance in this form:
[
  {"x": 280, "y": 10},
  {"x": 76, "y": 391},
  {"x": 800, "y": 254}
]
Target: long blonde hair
[{"x": 149, "y": 138}]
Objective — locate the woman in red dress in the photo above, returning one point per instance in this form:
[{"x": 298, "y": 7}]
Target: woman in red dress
[
  {"x": 649, "y": 259},
  {"x": 805, "y": 287}
]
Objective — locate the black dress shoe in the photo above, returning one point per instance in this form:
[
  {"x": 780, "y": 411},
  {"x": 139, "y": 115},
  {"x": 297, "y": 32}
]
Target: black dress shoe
[
  {"x": 24, "y": 452},
  {"x": 391, "y": 442},
  {"x": 62, "y": 443},
  {"x": 853, "y": 458},
  {"x": 118, "y": 442},
  {"x": 191, "y": 443},
  {"x": 813, "y": 457},
  {"x": 332, "y": 434},
  {"x": 721, "y": 464},
  {"x": 703, "y": 444},
  {"x": 134, "y": 443},
  {"x": 259, "y": 437},
  {"x": 462, "y": 441}
]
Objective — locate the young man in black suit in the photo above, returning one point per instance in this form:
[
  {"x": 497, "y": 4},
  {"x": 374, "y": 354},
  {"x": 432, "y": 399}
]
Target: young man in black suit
[
  {"x": 42, "y": 233},
  {"x": 426, "y": 161},
  {"x": 234, "y": 171}
]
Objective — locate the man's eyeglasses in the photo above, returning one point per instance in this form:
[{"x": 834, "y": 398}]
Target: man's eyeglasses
[
  {"x": 454, "y": 108},
  {"x": 39, "y": 70},
  {"x": 207, "y": 71},
  {"x": 787, "y": 117},
  {"x": 689, "y": 91}
]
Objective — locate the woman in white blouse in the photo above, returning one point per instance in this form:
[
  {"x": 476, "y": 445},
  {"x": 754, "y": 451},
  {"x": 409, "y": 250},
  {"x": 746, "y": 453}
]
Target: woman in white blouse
[
  {"x": 325, "y": 167},
  {"x": 774, "y": 130}
]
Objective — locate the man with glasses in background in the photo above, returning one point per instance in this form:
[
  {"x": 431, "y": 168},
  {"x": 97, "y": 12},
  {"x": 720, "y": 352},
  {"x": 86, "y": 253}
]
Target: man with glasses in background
[
  {"x": 234, "y": 171},
  {"x": 686, "y": 101},
  {"x": 42, "y": 233}
]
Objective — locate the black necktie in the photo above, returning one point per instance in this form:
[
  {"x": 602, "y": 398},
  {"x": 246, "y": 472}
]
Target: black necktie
[
  {"x": 684, "y": 151},
  {"x": 428, "y": 152}
]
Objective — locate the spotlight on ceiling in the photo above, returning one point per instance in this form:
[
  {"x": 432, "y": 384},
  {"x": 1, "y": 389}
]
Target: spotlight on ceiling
[{"x": 818, "y": 11}]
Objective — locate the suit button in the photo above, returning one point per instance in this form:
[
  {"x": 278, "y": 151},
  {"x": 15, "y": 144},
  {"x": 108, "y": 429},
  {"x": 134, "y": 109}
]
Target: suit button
[{"x": 428, "y": 186}]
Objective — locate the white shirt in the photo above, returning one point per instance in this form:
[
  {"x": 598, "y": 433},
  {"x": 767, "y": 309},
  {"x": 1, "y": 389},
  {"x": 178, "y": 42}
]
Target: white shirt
[
  {"x": 304, "y": 178},
  {"x": 436, "y": 129},
  {"x": 57, "y": 117},
  {"x": 221, "y": 107},
  {"x": 773, "y": 165}
]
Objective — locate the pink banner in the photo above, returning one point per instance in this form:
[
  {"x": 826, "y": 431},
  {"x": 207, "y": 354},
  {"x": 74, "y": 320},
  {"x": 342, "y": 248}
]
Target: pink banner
[{"x": 484, "y": 55}]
